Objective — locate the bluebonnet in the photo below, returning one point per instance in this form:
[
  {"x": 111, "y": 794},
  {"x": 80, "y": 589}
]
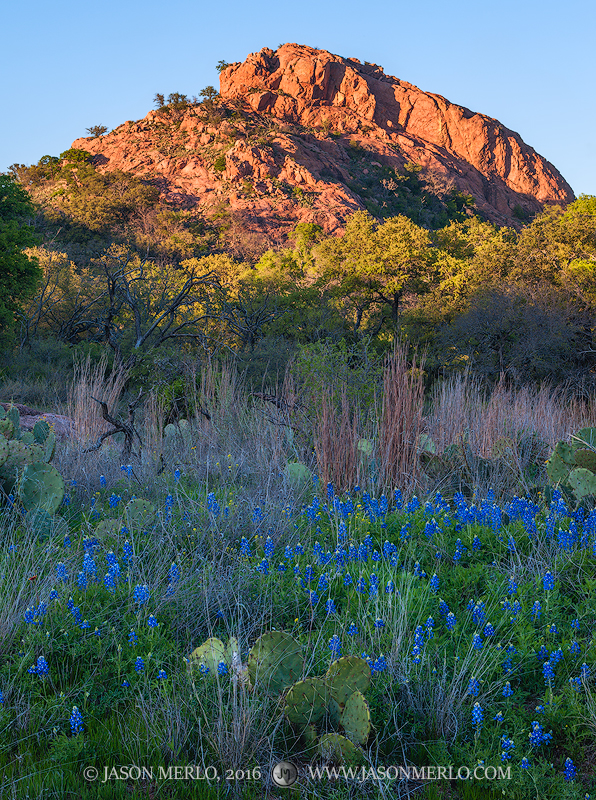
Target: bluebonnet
[
  {"x": 537, "y": 735},
  {"x": 323, "y": 583},
  {"x": 139, "y": 664},
  {"x": 76, "y": 721},
  {"x": 434, "y": 583},
  {"x": 2, "y": 701},
  {"x": 222, "y": 668},
  {"x": 474, "y": 687},
  {"x": 109, "y": 582},
  {"x": 212, "y": 504},
  {"x": 450, "y": 621},
  {"x": 548, "y": 672},
  {"x": 508, "y": 660},
  {"x": 443, "y": 608},
  {"x": 390, "y": 588},
  {"x": 61, "y": 572},
  {"x": 575, "y": 648},
  {"x": 575, "y": 624},
  {"x": 525, "y": 764},
  {"x": 477, "y": 716},
  {"x": 269, "y": 547},
  {"x": 459, "y": 550},
  {"x": 114, "y": 499},
  {"x": 313, "y": 598},
  {"x": 352, "y": 629},
  {"x": 162, "y": 675},
  {"x": 585, "y": 671},
  {"x": 76, "y": 612},
  {"x": 477, "y": 642},
  {"x": 498, "y": 717},
  {"x": 507, "y": 746},
  {"x": 132, "y": 638},
  {"x": 361, "y": 585},
  {"x": 263, "y": 567},
  {"x": 245, "y": 547},
  {"x": 102, "y": 481},
  {"x": 330, "y": 606},
  {"x": 347, "y": 579},
  {"x": 41, "y": 668},
  {"x": 380, "y": 664},
  {"x": 141, "y": 594},
  {"x": 54, "y": 595},
  {"x": 489, "y": 629},
  {"x": 507, "y": 690},
  {"x": 152, "y": 622},
  {"x": 127, "y": 469},
  {"x": 548, "y": 582},
  {"x": 429, "y": 624},
  {"x": 479, "y": 613},
  {"x": 379, "y": 623},
  {"x": 308, "y": 573},
  {"x": 82, "y": 581},
  {"x": 570, "y": 771},
  {"x": 335, "y": 646},
  {"x": 512, "y": 586},
  {"x": 552, "y": 628},
  {"x": 177, "y": 474},
  {"x": 536, "y": 610},
  {"x": 127, "y": 551},
  {"x": 126, "y": 684}
]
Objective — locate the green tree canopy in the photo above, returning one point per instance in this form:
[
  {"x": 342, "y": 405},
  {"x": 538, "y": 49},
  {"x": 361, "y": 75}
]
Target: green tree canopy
[{"x": 19, "y": 274}]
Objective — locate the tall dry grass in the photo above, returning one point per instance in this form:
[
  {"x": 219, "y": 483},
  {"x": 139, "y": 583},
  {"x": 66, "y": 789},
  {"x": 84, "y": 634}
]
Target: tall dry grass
[
  {"x": 91, "y": 380},
  {"x": 461, "y": 407},
  {"x": 400, "y": 422},
  {"x": 336, "y": 434}
]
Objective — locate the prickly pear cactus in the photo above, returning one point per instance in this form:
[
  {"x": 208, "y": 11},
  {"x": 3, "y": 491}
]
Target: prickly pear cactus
[
  {"x": 24, "y": 463},
  {"x": 573, "y": 465},
  {"x": 345, "y": 676},
  {"x": 275, "y": 662},
  {"x": 307, "y": 702},
  {"x": 583, "y": 482},
  {"x": 297, "y": 474},
  {"x": 355, "y": 718},
  {"x": 42, "y": 486},
  {"x": 139, "y": 512},
  {"x": 209, "y": 654},
  {"x": 338, "y": 749}
]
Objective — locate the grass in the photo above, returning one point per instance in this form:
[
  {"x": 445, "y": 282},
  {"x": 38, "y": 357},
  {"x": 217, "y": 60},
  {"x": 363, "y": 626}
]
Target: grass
[{"x": 249, "y": 550}]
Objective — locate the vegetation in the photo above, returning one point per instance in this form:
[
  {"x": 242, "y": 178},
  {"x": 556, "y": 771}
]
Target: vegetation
[{"x": 331, "y": 501}]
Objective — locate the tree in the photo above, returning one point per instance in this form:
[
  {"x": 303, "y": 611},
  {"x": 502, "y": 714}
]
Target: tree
[
  {"x": 374, "y": 264},
  {"x": 97, "y": 130},
  {"x": 19, "y": 274},
  {"x": 221, "y": 65},
  {"x": 159, "y": 100}
]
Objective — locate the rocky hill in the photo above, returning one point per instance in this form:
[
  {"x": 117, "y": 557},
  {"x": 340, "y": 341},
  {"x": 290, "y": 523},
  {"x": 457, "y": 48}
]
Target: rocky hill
[{"x": 299, "y": 134}]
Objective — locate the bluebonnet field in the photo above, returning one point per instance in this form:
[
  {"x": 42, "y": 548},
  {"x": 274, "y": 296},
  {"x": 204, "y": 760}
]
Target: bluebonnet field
[{"x": 476, "y": 619}]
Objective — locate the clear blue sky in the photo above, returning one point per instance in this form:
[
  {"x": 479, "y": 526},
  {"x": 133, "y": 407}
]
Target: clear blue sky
[{"x": 68, "y": 65}]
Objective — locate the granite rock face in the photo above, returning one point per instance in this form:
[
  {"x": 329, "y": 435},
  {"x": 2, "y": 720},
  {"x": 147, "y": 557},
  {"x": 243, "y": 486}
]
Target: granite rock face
[{"x": 280, "y": 150}]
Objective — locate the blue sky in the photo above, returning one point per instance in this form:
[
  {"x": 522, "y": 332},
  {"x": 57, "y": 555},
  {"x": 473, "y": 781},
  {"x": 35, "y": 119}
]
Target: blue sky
[{"x": 66, "y": 66}]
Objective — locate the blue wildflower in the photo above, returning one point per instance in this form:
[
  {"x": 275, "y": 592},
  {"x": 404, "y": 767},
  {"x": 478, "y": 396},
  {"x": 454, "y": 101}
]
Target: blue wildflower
[
  {"x": 139, "y": 664},
  {"x": 76, "y": 721}
]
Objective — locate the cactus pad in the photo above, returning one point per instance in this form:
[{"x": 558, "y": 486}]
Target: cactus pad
[
  {"x": 41, "y": 431},
  {"x": 210, "y": 653},
  {"x": 49, "y": 447},
  {"x": 42, "y": 486},
  {"x": 233, "y": 647},
  {"x": 275, "y": 661},
  {"x": 336, "y": 748},
  {"x": 19, "y": 454},
  {"x": 560, "y": 463},
  {"x": 583, "y": 482},
  {"x": 586, "y": 458},
  {"x": 586, "y": 436},
  {"x": 297, "y": 474},
  {"x": 355, "y": 719},
  {"x": 108, "y": 527},
  {"x": 14, "y": 417},
  {"x": 139, "y": 512},
  {"x": 345, "y": 676},
  {"x": 3, "y": 450},
  {"x": 307, "y": 701},
  {"x": 6, "y": 428}
]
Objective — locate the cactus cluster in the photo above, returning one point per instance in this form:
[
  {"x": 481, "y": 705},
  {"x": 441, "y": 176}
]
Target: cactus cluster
[
  {"x": 572, "y": 466},
  {"x": 25, "y": 471},
  {"x": 329, "y": 714}
]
